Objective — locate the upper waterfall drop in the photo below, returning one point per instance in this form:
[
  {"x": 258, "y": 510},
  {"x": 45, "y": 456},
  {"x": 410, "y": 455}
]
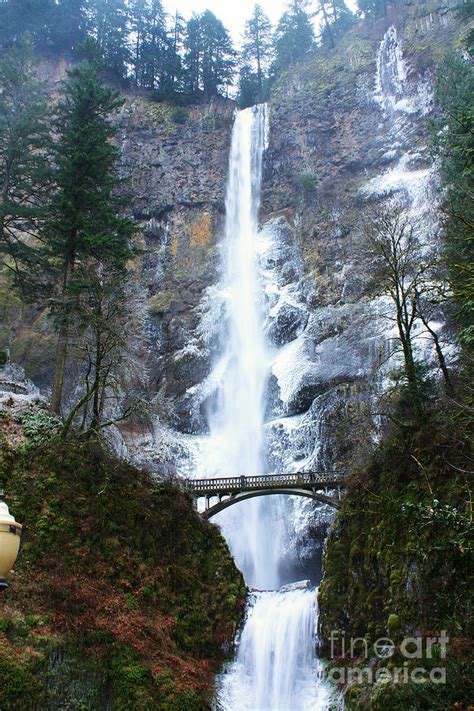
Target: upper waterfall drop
[
  {"x": 392, "y": 85},
  {"x": 236, "y": 417}
]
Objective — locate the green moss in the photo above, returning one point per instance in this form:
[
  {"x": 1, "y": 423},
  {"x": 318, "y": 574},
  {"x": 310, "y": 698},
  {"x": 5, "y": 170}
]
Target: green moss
[
  {"x": 407, "y": 555},
  {"x": 160, "y": 303},
  {"x": 328, "y": 76},
  {"x": 132, "y": 683},
  {"x": 115, "y": 568},
  {"x": 19, "y": 689}
]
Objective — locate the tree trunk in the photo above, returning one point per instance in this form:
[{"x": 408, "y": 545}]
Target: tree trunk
[
  {"x": 61, "y": 355},
  {"x": 328, "y": 24},
  {"x": 439, "y": 354},
  {"x": 410, "y": 372},
  {"x": 63, "y": 341}
]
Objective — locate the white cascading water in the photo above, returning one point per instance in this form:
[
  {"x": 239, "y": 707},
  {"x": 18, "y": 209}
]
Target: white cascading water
[
  {"x": 236, "y": 422},
  {"x": 276, "y": 668}
]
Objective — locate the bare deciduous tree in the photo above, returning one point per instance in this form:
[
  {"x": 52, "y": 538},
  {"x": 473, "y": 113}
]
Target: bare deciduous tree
[
  {"x": 407, "y": 277},
  {"x": 110, "y": 327}
]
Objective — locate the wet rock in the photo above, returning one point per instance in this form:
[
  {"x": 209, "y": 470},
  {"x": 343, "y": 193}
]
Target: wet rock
[
  {"x": 189, "y": 367},
  {"x": 303, "y": 397},
  {"x": 287, "y": 324},
  {"x": 300, "y": 585},
  {"x": 190, "y": 416},
  {"x": 274, "y": 406}
]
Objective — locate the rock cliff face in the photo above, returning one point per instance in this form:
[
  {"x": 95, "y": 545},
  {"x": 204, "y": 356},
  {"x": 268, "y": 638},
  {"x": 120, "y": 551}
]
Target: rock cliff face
[
  {"x": 175, "y": 162},
  {"x": 347, "y": 132}
]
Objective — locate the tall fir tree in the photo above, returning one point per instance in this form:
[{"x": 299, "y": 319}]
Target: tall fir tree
[
  {"x": 84, "y": 228},
  {"x": 35, "y": 18},
  {"x": 176, "y": 43},
  {"x": 336, "y": 19},
  {"x": 70, "y": 25},
  {"x": 53, "y": 25},
  {"x": 453, "y": 139},
  {"x": 257, "y": 50},
  {"x": 110, "y": 28},
  {"x": 210, "y": 56},
  {"x": 294, "y": 35},
  {"x": 25, "y": 176},
  {"x": 155, "y": 46}
]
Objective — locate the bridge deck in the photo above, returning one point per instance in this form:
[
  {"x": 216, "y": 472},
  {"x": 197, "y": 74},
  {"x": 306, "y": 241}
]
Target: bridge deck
[{"x": 300, "y": 480}]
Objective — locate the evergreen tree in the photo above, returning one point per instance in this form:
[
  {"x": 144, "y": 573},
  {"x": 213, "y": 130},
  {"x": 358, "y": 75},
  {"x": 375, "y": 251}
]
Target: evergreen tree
[
  {"x": 154, "y": 51},
  {"x": 193, "y": 56},
  {"x": 53, "y": 25},
  {"x": 294, "y": 35},
  {"x": 138, "y": 27},
  {"x": 24, "y": 170},
  {"x": 454, "y": 143},
  {"x": 84, "y": 229},
  {"x": 257, "y": 50},
  {"x": 337, "y": 18},
  {"x": 210, "y": 56},
  {"x": 34, "y": 17},
  {"x": 110, "y": 28},
  {"x": 374, "y": 8},
  {"x": 176, "y": 49},
  {"x": 248, "y": 87},
  {"x": 69, "y": 25}
]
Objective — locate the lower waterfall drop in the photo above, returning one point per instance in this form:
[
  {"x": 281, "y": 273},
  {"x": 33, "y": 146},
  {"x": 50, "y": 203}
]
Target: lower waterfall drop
[{"x": 276, "y": 667}]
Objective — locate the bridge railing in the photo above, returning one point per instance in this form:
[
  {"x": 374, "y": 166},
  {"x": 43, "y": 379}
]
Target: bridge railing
[{"x": 239, "y": 483}]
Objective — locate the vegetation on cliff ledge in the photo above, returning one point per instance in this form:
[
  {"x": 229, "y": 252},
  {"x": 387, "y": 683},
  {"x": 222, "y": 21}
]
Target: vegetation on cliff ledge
[
  {"x": 121, "y": 595},
  {"x": 397, "y": 564}
]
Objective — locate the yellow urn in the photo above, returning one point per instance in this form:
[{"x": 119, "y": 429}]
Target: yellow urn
[{"x": 10, "y": 536}]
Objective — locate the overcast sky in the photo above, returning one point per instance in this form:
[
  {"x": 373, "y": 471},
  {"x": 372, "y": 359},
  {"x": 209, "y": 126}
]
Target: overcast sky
[{"x": 233, "y": 13}]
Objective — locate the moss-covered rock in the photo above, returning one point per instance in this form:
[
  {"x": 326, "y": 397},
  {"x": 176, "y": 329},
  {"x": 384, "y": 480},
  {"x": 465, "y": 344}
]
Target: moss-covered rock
[
  {"x": 398, "y": 561},
  {"x": 121, "y": 595}
]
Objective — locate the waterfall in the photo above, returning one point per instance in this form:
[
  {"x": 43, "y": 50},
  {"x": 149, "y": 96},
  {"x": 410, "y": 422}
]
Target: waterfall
[
  {"x": 391, "y": 71},
  {"x": 411, "y": 180},
  {"x": 276, "y": 668},
  {"x": 236, "y": 418}
]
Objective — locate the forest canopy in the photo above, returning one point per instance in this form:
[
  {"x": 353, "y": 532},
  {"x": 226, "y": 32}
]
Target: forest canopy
[{"x": 178, "y": 59}]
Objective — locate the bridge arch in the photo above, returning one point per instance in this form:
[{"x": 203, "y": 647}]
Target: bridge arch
[{"x": 245, "y": 495}]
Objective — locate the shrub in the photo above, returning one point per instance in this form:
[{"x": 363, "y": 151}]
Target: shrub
[
  {"x": 307, "y": 182},
  {"x": 180, "y": 115}
]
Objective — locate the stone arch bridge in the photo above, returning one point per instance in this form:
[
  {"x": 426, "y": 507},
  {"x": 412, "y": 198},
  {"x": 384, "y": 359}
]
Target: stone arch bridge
[{"x": 325, "y": 487}]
